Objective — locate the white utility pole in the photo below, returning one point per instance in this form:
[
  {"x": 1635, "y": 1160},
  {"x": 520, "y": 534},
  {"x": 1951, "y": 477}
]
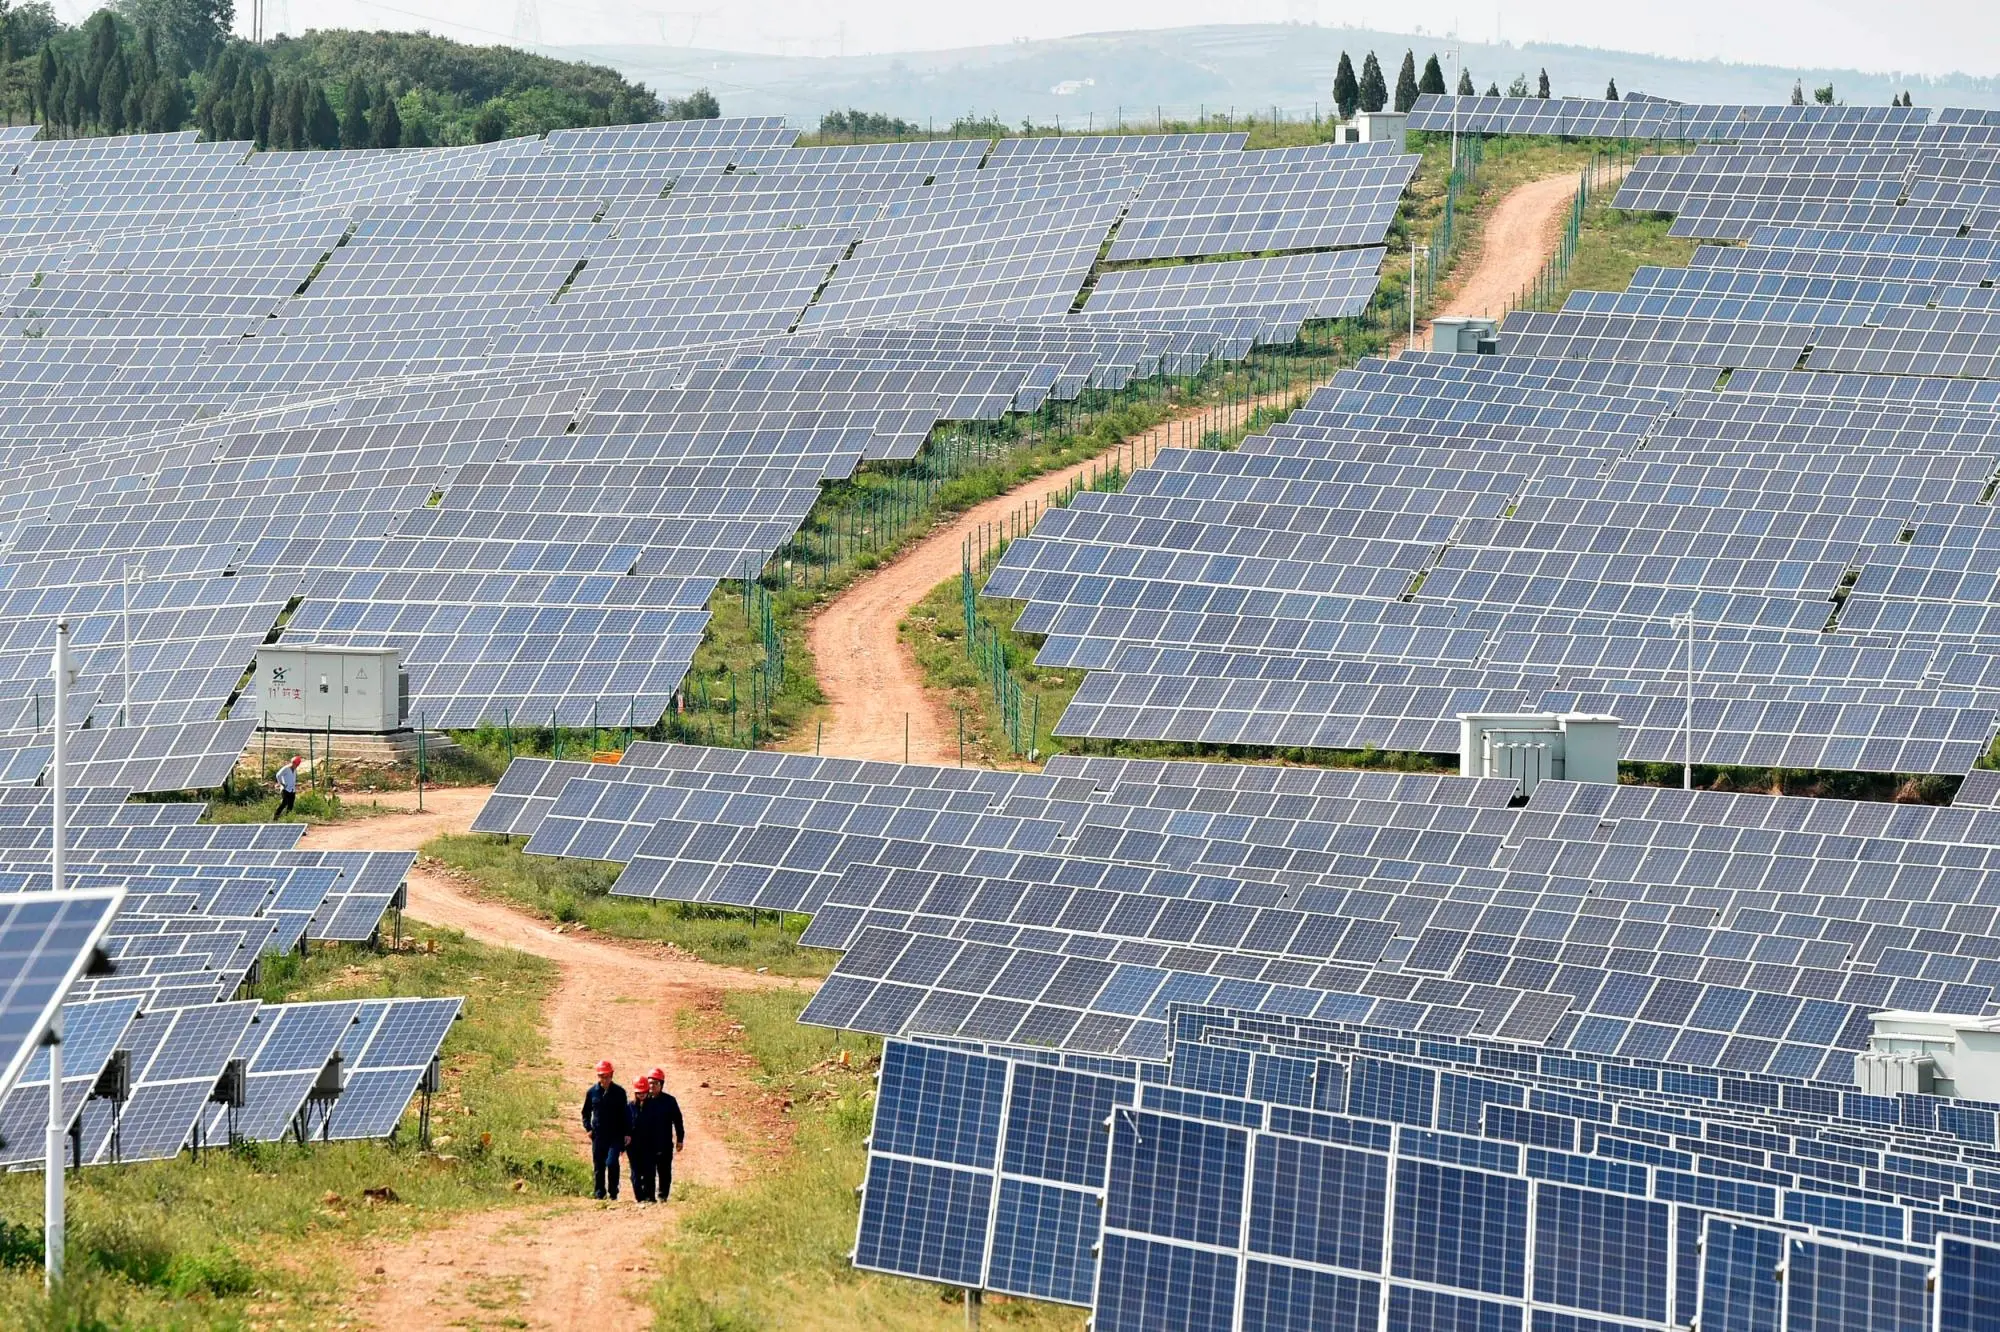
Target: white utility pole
[
  {"x": 1456, "y": 53},
  {"x": 52, "y": 1160},
  {"x": 1414, "y": 247}
]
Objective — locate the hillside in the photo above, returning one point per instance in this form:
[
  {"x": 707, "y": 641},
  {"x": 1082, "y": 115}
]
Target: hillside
[
  {"x": 150, "y": 66},
  {"x": 1250, "y": 67}
]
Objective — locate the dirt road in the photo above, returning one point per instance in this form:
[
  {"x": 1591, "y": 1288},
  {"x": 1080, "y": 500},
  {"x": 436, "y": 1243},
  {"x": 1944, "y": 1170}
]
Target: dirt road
[
  {"x": 1518, "y": 238},
  {"x": 557, "y": 1264},
  {"x": 872, "y": 684}
]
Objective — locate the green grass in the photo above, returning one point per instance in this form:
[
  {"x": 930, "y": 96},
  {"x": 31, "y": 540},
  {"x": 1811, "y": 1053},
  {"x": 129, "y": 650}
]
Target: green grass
[
  {"x": 774, "y": 1253},
  {"x": 261, "y": 1236},
  {"x": 577, "y": 891},
  {"x": 1614, "y": 244},
  {"x": 934, "y": 630}
]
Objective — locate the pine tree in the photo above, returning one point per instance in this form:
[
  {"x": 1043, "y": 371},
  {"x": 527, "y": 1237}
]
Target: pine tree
[
  {"x": 44, "y": 96},
  {"x": 243, "y": 104},
  {"x": 166, "y": 105},
  {"x": 1824, "y": 96},
  {"x": 1374, "y": 88},
  {"x": 1542, "y": 89},
  {"x": 263, "y": 95},
  {"x": 354, "y": 131},
  {"x": 111, "y": 90},
  {"x": 388, "y": 123},
  {"x": 1406, "y": 82},
  {"x": 1493, "y": 88},
  {"x": 1519, "y": 87},
  {"x": 1798, "y": 93},
  {"x": 1346, "y": 92},
  {"x": 322, "y": 126},
  {"x": 1611, "y": 91},
  {"x": 1433, "y": 79},
  {"x": 1465, "y": 88}
]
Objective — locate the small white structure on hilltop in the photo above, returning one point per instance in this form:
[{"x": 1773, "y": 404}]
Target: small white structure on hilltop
[{"x": 1534, "y": 747}]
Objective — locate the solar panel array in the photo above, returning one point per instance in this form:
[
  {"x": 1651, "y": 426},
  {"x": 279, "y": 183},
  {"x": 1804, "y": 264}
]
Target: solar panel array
[
  {"x": 514, "y": 408},
  {"x": 1213, "y": 1045},
  {"x": 200, "y": 908}
]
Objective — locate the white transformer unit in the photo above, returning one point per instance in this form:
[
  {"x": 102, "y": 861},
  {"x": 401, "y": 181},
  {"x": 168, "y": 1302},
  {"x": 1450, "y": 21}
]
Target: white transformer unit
[
  {"x": 316, "y": 687},
  {"x": 1534, "y": 747},
  {"x": 1944, "y": 1054},
  {"x": 1463, "y": 333}
]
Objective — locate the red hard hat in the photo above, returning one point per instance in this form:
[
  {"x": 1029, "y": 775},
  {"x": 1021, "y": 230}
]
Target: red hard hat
[
  {"x": 641, "y": 1083},
  {"x": 604, "y": 1066},
  {"x": 659, "y": 1077},
  {"x": 296, "y": 760}
]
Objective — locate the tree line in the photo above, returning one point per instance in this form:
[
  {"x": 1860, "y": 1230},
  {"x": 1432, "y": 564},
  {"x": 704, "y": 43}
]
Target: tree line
[
  {"x": 1370, "y": 90},
  {"x": 147, "y": 66}
]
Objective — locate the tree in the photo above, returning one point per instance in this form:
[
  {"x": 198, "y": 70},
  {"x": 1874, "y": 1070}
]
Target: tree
[
  {"x": 1374, "y": 88},
  {"x": 1542, "y": 88},
  {"x": 322, "y": 126},
  {"x": 166, "y": 106},
  {"x": 263, "y": 100},
  {"x": 191, "y": 31},
  {"x": 1465, "y": 88},
  {"x": 1433, "y": 79},
  {"x": 1824, "y": 96},
  {"x": 354, "y": 129},
  {"x": 1611, "y": 91},
  {"x": 1519, "y": 87},
  {"x": 697, "y": 105},
  {"x": 1346, "y": 92},
  {"x": 1406, "y": 82},
  {"x": 388, "y": 123},
  {"x": 1493, "y": 89},
  {"x": 490, "y": 125},
  {"x": 44, "y": 94},
  {"x": 1798, "y": 93}
]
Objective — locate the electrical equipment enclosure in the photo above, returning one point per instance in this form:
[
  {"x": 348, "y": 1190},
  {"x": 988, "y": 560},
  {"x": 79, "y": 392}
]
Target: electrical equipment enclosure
[{"x": 315, "y": 687}]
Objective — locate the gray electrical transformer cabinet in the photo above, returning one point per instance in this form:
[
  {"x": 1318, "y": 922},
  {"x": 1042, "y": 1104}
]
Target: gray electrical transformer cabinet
[{"x": 313, "y": 687}]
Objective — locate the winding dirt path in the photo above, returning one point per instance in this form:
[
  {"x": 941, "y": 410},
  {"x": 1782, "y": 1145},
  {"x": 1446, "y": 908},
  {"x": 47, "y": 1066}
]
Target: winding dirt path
[
  {"x": 565, "y": 1263},
  {"x": 873, "y": 685}
]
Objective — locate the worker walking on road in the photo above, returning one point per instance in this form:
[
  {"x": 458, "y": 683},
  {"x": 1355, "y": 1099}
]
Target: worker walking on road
[
  {"x": 639, "y": 1156},
  {"x": 608, "y": 1120},
  {"x": 288, "y": 786},
  {"x": 658, "y": 1131}
]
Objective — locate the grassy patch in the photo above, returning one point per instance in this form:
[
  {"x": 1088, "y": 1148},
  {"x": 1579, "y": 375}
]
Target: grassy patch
[
  {"x": 261, "y": 1236},
  {"x": 1614, "y": 244},
  {"x": 577, "y": 891},
  {"x": 774, "y": 1253},
  {"x": 935, "y": 632}
]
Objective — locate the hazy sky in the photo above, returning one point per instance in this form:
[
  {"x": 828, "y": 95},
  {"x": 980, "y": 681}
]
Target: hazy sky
[{"x": 1907, "y": 36}]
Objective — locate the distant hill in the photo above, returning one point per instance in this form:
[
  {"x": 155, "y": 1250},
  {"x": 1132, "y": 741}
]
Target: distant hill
[{"x": 1250, "y": 67}]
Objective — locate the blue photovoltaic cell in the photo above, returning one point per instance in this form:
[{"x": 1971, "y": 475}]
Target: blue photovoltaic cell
[
  {"x": 940, "y": 1105},
  {"x": 1044, "y": 1242},
  {"x": 1382, "y": 1090},
  {"x": 924, "y": 1221},
  {"x": 45, "y": 940},
  {"x": 1318, "y": 1203},
  {"x": 1175, "y": 1177},
  {"x": 1416, "y": 1310},
  {"x": 1739, "y": 1277},
  {"x": 1829, "y": 1288},
  {"x": 1149, "y": 1286},
  {"x": 1600, "y": 1251},
  {"x": 1968, "y": 1286},
  {"x": 1462, "y": 1228},
  {"x": 1278, "y": 1297},
  {"x": 1055, "y": 1123}
]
